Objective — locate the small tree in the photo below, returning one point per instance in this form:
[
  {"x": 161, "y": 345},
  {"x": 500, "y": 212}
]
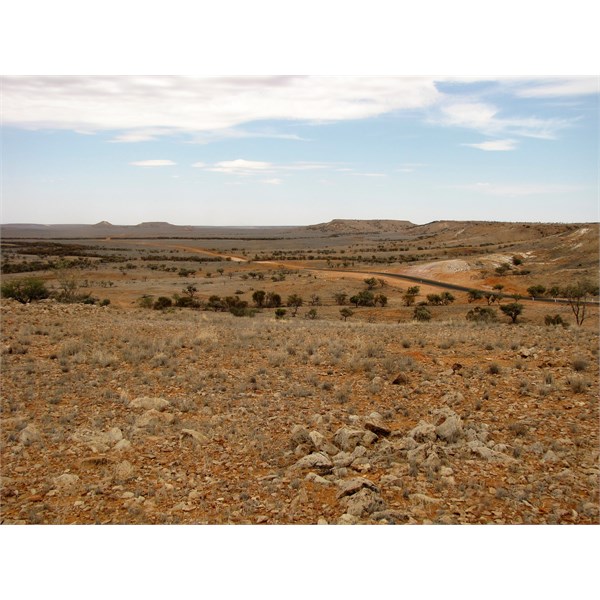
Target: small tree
[
  {"x": 411, "y": 294},
  {"x": 474, "y": 295},
  {"x": 578, "y": 296},
  {"x": 447, "y": 298},
  {"x": 315, "y": 300},
  {"x": 512, "y": 310},
  {"x": 190, "y": 290},
  {"x": 215, "y": 303},
  {"x": 312, "y": 314},
  {"x": 295, "y": 301},
  {"x": 258, "y": 297},
  {"x": 491, "y": 297},
  {"x": 272, "y": 300},
  {"x": 371, "y": 282},
  {"x": 346, "y": 312},
  {"x": 340, "y": 298},
  {"x": 381, "y": 299},
  {"x": 280, "y": 313},
  {"x": 536, "y": 290}
]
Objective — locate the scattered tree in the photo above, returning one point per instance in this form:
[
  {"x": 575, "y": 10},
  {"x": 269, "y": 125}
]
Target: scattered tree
[
  {"x": 190, "y": 290},
  {"x": 295, "y": 301},
  {"x": 272, "y": 300},
  {"x": 340, "y": 298},
  {"x": 315, "y": 300},
  {"x": 258, "y": 297},
  {"x": 25, "y": 290},
  {"x": 280, "y": 313},
  {"x": 363, "y": 298},
  {"x": 381, "y": 299},
  {"x": 371, "y": 282},
  {"x": 411, "y": 294},
  {"x": 474, "y": 295},
  {"x": 312, "y": 314},
  {"x": 512, "y": 310},
  {"x": 346, "y": 312},
  {"x": 536, "y": 290},
  {"x": 577, "y": 296}
]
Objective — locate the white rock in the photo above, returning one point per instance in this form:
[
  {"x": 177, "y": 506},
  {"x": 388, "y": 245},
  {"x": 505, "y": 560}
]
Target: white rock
[
  {"x": 423, "y": 432},
  {"x": 198, "y": 437},
  {"x": 316, "y": 460},
  {"x": 347, "y": 519},
  {"x": 122, "y": 445},
  {"x": 67, "y": 482},
  {"x": 29, "y": 435},
  {"x": 364, "y": 502},
  {"x": 150, "y": 403},
  {"x": 347, "y": 439},
  {"x": 450, "y": 430},
  {"x": 124, "y": 471}
]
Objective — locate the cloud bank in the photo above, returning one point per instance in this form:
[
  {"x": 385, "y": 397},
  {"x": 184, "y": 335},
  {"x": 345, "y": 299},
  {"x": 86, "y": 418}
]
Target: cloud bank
[{"x": 142, "y": 108}]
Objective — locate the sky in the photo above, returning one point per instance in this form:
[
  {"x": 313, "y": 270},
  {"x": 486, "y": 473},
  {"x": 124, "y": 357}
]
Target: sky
[{"x": 294, "y": 150}]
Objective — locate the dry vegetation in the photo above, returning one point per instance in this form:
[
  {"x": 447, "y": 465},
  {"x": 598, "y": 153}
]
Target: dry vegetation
[{"x": 122, "y": 414}]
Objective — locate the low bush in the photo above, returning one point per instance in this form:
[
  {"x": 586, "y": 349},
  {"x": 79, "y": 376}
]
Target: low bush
[{"x": 25, "y": 290}]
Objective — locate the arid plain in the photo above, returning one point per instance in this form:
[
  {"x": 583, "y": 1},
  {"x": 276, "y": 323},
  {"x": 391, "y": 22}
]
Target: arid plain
[{"x": 350, "y": 372}]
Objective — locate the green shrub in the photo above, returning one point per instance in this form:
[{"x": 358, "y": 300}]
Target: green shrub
[
  {"x": 482, "y": 315},
  {"x": 187, "y": 302},
  {"x": 555, "y": 320},
  {"x": 421, "y": 313},
  {"x": 162, "y": 302},
  {"x": 145, "y": 301},
  {"x": 25, "y": 290}
]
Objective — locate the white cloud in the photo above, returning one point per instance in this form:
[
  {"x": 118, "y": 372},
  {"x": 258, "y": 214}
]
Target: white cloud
[
  {"x": 134, "y": 136},
  {"x": 485, "y": 118},
  {"x": 240, "y": 166},
  {"x": 274, "y": 181},
  {"x": 152, "y": 163},
  {"x": 372, "y": 174},
  {"x": 495, "y": 145},
  {"x": 518, "y": 189},
  {"x": 206, "y": 137},
  {"x": 133, "y": 106},
  {"x": 554, "y": 88}
]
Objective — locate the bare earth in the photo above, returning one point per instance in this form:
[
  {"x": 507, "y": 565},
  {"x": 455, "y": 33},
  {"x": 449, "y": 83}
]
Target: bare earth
[{"x": 122, "y": 414}]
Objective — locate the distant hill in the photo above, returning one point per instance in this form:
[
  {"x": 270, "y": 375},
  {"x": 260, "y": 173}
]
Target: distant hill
[
  {"x": 361, "y": 226},
  {"x": 148, "y": 229}
]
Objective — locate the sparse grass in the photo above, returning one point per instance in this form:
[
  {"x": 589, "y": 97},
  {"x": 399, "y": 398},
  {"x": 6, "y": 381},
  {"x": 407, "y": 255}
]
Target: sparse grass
[{"x": 494, "y": 369}]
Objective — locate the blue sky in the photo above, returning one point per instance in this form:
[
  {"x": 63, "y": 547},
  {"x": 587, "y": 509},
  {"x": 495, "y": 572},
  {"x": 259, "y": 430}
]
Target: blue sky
[{"x": 298, "y": 150}]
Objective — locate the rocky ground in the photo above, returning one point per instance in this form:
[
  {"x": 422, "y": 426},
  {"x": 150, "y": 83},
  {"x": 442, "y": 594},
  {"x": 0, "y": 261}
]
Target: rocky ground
[{"x": 138, "y": 416}]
